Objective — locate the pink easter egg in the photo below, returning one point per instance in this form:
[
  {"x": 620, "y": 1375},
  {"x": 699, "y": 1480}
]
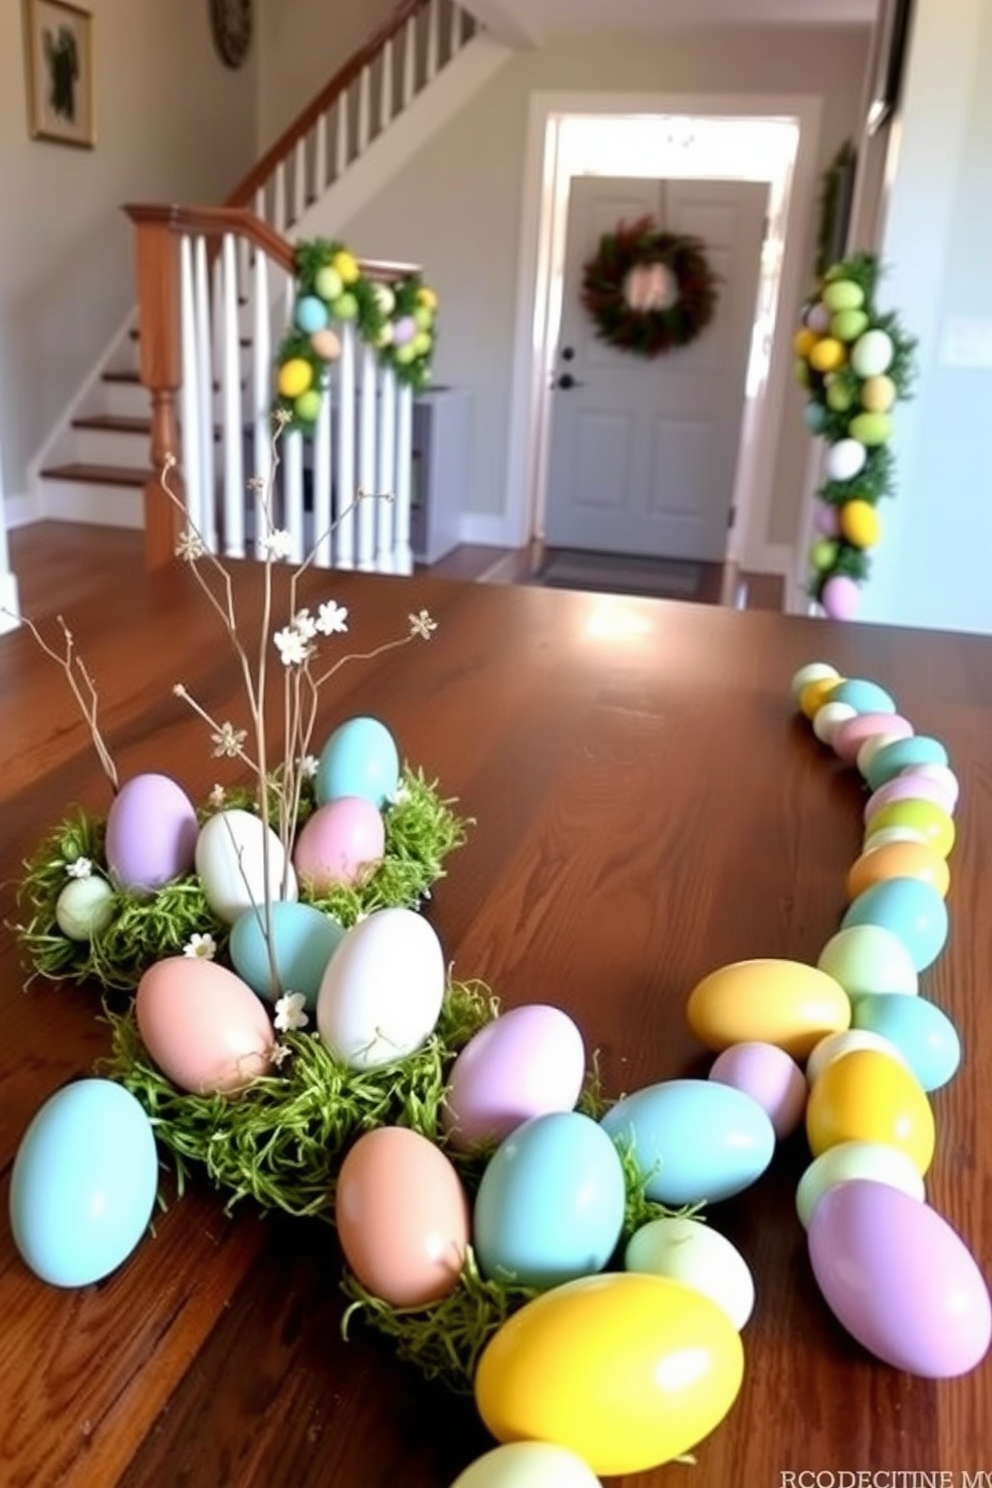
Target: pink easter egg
[
  {"x": 912, "y": 786},
  {"x": 839, "y": 598},
  {"x": 404, "y": 330},
  {"x": 340, "y": 843},
  {"x": 942, "y": 775},
  {"x": 769, "y": 1076},
  {"x": 202, "y": 1025},
  {"x": 826, "y": 519},
  {"x": 850, "y": 735}
]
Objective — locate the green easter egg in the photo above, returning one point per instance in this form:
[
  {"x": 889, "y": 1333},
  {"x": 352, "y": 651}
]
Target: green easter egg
[
  {"x": 85, "y": 907},
  {"x": 839, "y": 397},
  {"x": 843, "y": 294},
  {"x": 823, "y": 554},
  {"x": 848, "y": 325},
  {"x": 422, "y": 343},
  {"x": 871, "y": 428},
  {"x": 327, "y": 283},
  {"x": 801, "y": 373},
  {"x": 307, "y": 406},
  {"x": 345, "y": 307},
  {"x": 423, "y": 317},
  {"x": 406, "y": 354}
]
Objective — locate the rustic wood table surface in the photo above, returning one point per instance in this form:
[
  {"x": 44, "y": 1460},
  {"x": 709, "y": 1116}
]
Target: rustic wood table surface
[{"x": 649, "y": 807}]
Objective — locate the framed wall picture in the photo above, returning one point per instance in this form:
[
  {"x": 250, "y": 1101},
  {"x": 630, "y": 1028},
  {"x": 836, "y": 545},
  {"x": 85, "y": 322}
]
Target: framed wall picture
[{"x": 58, "y": 57}]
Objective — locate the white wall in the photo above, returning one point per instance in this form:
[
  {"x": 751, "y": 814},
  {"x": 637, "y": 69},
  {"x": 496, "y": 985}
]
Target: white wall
[
  {"x": 172, "y": 122},
  {"x": 457, "y": 209},
  {"x": 932, "y": 568}
]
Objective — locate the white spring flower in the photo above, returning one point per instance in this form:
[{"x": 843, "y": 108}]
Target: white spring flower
[
  {"x": 332, "y": 619},
  {"x": 81, "y": 868},
  {"x": 305, "y": 624},
  {"x": 291, "y": 1013},
  {"x": 293, "y": 648},
  {"x": 277, "y": 544},
  {"x": 422, "y": 625},
  {"x": 200, "y": 948},
  {"x": 228, "y": 741}
]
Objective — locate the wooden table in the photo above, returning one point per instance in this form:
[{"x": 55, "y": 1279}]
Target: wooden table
[{"x": 648, "y": 809}]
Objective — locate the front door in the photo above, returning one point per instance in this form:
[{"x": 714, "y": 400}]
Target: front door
[{"x": 643, "y": 453}]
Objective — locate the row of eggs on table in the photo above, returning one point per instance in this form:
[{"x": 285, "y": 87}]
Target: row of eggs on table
[{"x": 153, "y": 837}]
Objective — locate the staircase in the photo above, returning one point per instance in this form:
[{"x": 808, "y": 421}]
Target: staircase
[{"x": 409, "y": 78}]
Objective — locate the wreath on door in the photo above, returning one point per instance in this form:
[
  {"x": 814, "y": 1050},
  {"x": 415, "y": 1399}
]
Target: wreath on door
[{"x": 648, "y": 291}]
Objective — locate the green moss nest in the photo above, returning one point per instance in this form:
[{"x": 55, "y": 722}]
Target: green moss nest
[{"x": 421, "y": 830}]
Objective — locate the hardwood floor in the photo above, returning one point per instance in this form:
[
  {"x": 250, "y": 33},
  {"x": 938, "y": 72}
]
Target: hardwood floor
[{"x": 58, "y": 563}]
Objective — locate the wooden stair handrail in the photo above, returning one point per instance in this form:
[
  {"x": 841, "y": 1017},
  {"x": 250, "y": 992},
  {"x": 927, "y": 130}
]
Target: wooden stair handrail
[{"x": 243, "y": 194}]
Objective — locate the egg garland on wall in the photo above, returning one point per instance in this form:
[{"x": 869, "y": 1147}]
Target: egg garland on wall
[
  {"x": 855, "y": 364},
  {"x": 398, "y": 320}
]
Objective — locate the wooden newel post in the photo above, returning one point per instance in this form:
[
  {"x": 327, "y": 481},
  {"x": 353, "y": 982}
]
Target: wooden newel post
[{"x": 160, "y": 352}]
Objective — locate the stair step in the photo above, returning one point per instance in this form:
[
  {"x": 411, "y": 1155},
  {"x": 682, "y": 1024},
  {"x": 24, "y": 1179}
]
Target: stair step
[
  {"x": 125, "y": 376},
  {"x": 115, "y": 423},
  {"x": 243, "y": 340},
  {"x": 97, "y": 475}
]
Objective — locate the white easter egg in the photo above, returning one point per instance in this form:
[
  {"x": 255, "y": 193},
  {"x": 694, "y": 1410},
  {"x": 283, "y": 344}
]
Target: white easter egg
[
  {"x": 813, "y": 671},
  {"x": 231, "y": 864},
  {"x": 845, "y": 459},
  {"x": 846, "y": 1160},
  {"x": 872, "y": 354},
  {"x": 870, "y": 748},
  {"x": 84, "y": 907},
  {"x": 381, "y": 995},
  {"x": 828, "y": 718},
  {"x": 835, "y": 1045},
  {"x": 528, "y": 1464},
  {"x": 694, "y": 1253}
]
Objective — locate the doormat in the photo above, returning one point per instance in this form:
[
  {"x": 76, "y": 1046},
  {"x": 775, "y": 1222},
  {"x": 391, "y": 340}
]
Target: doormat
[{"x": 620, "y": 573}]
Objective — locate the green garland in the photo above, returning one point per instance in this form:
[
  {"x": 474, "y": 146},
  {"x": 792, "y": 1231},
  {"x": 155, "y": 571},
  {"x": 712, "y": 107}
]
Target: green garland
[
  {"x": 421, "y": 830},
  {"x": 837, "y": 172},
  {"x": 648, "y": 333},
  {"x": 332, "y": 289},
  {"x": 856, "y": 363}
]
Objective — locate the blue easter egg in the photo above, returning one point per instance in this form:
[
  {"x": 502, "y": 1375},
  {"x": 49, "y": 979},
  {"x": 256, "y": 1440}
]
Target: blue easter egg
[
  {"x": 920, "y": 1030},
  {"x": 359, "y": 759},
  {"x": 303, "y": 939},
  {"x": 862, "y": 696},
  {"x": 903, "y": 754},
  {"x": 693, "y": 1140},
  {"x": 911, "y": 909},
  {"x": 83, "y": 1184},
  {"x": 551, "y": 1202},
  {"x": 311, "y": 314},
  {"x": 815, "y": 417}
]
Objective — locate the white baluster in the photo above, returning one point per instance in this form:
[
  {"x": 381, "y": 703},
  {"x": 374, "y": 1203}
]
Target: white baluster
[
  {"x": 299, "y": 178},
  {"x": 409, "y": 61},
  {"x": 364, "y": 110},
  {"x": 262, "y": 426},
  {"x": 386, "y": 477},
  {"x": 404, "y": 472},
  {"x": 341, "y": 143},
  {"x": 258, "y": 206},
  {"x": 279, "y": 217},
  {"x": 345, "y": 533},
  {"x": 386, "y": 85},
  {"x": 322, "y": 480},
  {"x": 457, "y": 32},
  {"x": 368, "y": 406},
  {"x": 433, "y": 41},
  {"x": 234, "y": 481},
  {"x": 320, "y": 178},
  {"x": 189, "y": 408},
  {"x": 292, "y": 458},
  {"x": 205, "y": 384}
]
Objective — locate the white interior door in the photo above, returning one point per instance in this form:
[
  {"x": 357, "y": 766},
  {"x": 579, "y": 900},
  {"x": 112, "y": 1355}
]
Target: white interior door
[{"x": 643, "y": 452}]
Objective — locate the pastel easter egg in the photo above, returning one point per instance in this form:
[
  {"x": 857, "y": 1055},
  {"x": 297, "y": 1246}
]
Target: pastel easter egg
[
  {"x": 860, "y": 523},
  {"x": 826, "y": 518},
  {"x": 598, "y": 1366},
  {"x": 908, "y": 907},
  {"x": 845, "y": 460},
  {"x": 847, "y": 1160},
  {"x": 849, "y": 739},
  {"x": 402, "y": 1217},
  {"x": 151, "y": 833},
  {"x": 310, "y": 314},
  {"x": 404, "y": 330},
  {"x": 303, "y": 940},
  {"x": 307, "y": 405},
  {"x": 202, "y": 1025},
  {"x": 769, "y": 1076},
  {"x": 828, "y": 719},
  {"x": 786, "y": 1003},
  {"x": 836, "y": 1045},
  {"x": 871, "y": 428},
  {"x": 868, "y": 750},
  {"x": 828, "y": 354},
  {"x": 328, "y": 282},
  {"x": 823, "y": 554},
  {"x": 693, "y": 1141},
  {"x": 900, "y": 1279},
  {"x": 327, "y": 344},
  {"x": 341, "y": 843},
  {"x": 550, "y": 1204},
  {"x": 527, "y": 1465},
  {"x": 840, "y": 597},
  {"x": 872, "y": 354},
  {"x": 85, "y": 907},
  {"x": 920, "y": 1030},
  {"x": 940, "y": 775},
  {"x": 878, "y": 394},
  {"x": 864, "y": 696},
  {"x": 931, "y": 821},
  {"x": 843, "y": 294},
  {"x": 240, "y": 862},
  {"x": 869, "y": 958},
  {"x": 912, "y": 785},
  {"x": 83, "y": 1184},
  {"x": 876, "y": 837},
  {"x": 381, "y": 994},
  {"x": 359, "y": 759},
  {"x": 898, "y": 860},
  {"x": 697, "y": 1255},
  {"x": 527, "y": 1062},
  {"x": 345, "y": 307},
  {"x": 904, "y": 754},
  {"x": 815, "y": 694},
  {"x": 818, "y": 320},
  {"x": 839, "y": 395},
  {"x": 848, "y": 325},
  {"x": 347, "y": 266},
  {"x": 812, "y": 671},
  {"x": 815, "y": 417},
  {"x": 294, "y": 377},
  {"x": 867, "y": 1096}
]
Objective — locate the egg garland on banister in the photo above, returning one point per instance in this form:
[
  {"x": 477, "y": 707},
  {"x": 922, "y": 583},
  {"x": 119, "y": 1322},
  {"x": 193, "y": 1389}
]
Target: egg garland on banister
[{"x": 855, "y": 363}]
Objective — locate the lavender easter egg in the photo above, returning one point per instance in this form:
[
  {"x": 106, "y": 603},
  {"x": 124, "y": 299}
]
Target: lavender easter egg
[{"x": 151, "y": 833}]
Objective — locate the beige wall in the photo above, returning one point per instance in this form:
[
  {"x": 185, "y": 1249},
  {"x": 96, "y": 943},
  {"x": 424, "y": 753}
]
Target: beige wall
[
  {"x": 457, "y": 210},
  {"x": 172, "y": 122},
  {"x": 303, "y": 43}
]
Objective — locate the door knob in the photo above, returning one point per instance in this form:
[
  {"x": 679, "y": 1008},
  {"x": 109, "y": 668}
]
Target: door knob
[{"x": 566, "y": 381}]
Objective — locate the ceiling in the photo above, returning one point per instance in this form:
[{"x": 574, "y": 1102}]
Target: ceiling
[{"x": 534, "y": 20}]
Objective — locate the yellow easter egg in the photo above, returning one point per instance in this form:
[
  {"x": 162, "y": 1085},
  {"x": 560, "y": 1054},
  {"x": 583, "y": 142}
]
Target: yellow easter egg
[
  {"x": 295, "y": 376},
  {"x": 816, "y": 693},
  {"x": 860, "y": 523},
  {"x": 899, "y": 860},
  {"x": 346, "y": 265},
  {"x": 786, "y": 1003},
  {"x": 878, "y": 394},
  {"x": 427, "y": 297},
  {"x": 600, "y": 1366},
  {"x": 867, "y": 1096},
  {"x": 827, "y": 355},
  {"x": 925, "y": 817},
  {"x": 804, "y": 341}
]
